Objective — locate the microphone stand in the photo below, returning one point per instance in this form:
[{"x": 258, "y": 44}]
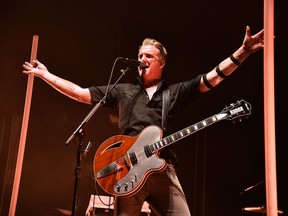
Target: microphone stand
[{"x": 79, "y": 131}]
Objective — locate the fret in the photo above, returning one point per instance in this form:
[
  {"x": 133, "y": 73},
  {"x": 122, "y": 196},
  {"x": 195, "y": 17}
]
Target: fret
[
  {"x": 165, "y": 141},
  {"x": 173, "y": 138},
  {"x": 153, "y": 146},
  {"x": 204, "y": 123},
  {"x": 176, "y": 136},
  {"x": 211, "y": 120},
  {"x": 187, "y": 132},
  {"x": 169, "y": 138}
]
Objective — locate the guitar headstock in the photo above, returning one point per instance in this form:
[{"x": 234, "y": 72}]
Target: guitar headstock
[{"x": 237, "y": 110}]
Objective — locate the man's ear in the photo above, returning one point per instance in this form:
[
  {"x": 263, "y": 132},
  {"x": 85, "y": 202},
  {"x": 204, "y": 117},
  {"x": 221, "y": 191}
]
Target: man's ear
[{"x": 162, "y": 63}]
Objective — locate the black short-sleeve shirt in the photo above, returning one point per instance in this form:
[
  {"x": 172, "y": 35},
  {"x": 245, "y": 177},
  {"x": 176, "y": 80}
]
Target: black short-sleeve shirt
[{"x": 136, "y": 111}]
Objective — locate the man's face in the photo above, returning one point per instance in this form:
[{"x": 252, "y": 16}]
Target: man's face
[{"x": 150, "y": 56}]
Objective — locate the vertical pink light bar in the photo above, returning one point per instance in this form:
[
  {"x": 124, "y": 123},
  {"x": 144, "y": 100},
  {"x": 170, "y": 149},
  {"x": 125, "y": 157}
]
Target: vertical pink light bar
[
  {"x": 269, "y": 110},
  {"x": 23, "y": 134}
]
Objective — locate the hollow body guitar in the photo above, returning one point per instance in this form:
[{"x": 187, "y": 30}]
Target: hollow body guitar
[{"x": 123, "y": 163}]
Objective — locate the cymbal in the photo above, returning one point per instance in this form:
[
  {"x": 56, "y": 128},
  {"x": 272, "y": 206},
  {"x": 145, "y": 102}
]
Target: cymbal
[
  {"x": 260, "y": 209},
  {"x": 64, "y": 211}
]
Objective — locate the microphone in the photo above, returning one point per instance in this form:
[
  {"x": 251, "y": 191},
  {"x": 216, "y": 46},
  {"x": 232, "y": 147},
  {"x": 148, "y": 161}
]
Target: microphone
[{"x": 137, "y": 63}]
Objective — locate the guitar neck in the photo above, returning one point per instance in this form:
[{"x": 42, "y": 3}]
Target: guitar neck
[{"x": 166, "y": 141}]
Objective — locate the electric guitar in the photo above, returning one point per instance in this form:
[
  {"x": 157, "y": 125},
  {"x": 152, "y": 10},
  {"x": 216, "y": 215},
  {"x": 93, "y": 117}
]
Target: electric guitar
[{"x": 123, "y": 163}]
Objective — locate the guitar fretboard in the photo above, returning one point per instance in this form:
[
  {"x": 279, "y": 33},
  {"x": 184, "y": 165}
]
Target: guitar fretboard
[{"x": 185, "y": 132}]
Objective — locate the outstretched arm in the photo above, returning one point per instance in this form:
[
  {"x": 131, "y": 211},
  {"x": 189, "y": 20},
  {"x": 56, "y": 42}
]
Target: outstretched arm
[
  {"x": 65, "y": 87},
  {"x": 251, "y": 44}
]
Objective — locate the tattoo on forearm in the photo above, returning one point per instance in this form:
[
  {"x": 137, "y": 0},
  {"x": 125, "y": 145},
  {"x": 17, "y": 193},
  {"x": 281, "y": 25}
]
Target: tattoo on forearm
[
  {"x": 72, "y": 87},
  {"x": 69, "y": 84}
]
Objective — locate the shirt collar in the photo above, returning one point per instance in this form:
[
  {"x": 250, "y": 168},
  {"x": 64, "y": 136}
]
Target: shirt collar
[{"x": 162, "y": 84}]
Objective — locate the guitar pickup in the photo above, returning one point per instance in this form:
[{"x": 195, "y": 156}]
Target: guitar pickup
[
  {"x": 133, "y": 158},
  {"x": 109, "y": 169}
]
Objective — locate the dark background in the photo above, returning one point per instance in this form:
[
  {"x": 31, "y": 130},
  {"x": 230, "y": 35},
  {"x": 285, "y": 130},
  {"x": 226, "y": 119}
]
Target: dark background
[{"x": 80, "y": 40}]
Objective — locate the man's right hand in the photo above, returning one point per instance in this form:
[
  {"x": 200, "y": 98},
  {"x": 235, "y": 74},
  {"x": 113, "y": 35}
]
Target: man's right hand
[{"x": 37, "y": 68}]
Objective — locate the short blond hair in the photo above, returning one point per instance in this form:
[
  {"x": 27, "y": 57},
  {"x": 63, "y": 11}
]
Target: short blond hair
[{"x": 162, "y": 51}]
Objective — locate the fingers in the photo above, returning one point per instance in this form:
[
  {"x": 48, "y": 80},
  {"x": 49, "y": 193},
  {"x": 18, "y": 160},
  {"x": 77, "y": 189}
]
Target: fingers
[
  {"x": 248, "y": 31},
  {"x": 28, "y": 66},
  {"x": 260, "y": 34},
  {"x": 36, "y": 62},
  {"x": 35, "y": 67}
]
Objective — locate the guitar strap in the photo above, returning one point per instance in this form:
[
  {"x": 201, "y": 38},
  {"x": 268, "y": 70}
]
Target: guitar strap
[
  {"x": 168, "y": 154},
  {"x": 165, "y": 108}
]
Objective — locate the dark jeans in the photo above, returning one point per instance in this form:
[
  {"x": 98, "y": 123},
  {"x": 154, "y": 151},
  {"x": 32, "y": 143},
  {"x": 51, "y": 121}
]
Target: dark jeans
[{"x": 162, "y": 191}]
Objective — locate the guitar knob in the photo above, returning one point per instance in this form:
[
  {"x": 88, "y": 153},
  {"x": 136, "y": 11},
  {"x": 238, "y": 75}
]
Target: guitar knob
[
  {"x": 126, "y": 186},
  {"x": 118, "y": 188}
]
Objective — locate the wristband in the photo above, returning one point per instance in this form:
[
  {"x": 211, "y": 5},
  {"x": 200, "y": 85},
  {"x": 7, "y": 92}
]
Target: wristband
[
  {"x": 220, "y": 73},
  {"x": 234, "y": 60},
  {"x": 208, "y": 85}
]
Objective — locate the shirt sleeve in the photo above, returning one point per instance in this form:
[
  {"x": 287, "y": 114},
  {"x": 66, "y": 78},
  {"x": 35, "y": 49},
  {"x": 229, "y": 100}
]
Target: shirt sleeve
[
  {"x": 183, "y": 93},
  {"x": 98, "y": 92}
]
